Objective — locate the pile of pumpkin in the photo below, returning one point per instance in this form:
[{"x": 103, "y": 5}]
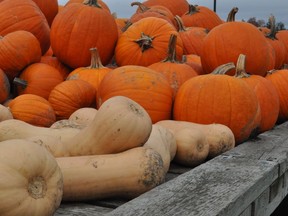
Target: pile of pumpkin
[{"x": 94, "y": 106}]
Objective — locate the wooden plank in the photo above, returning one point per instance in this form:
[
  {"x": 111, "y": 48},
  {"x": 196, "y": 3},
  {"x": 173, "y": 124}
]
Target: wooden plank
[
  {"x": 222, "y": 186},
  {"x": 81, "y": 209}
]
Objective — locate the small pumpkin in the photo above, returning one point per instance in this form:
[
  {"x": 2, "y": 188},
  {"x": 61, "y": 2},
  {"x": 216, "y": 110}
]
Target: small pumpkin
[{"x": 32, "y": 109}]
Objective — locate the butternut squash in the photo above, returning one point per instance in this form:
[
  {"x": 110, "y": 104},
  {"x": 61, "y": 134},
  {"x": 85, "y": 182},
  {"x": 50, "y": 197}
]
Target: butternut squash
[
  {"x": 31, "y": 181},
  {"x": 119, "y": 124},
  {"x": 5, "y": 113},
  {"x": 192, "y": 147},
  {"x": 219, "y": 137},
  {"x": 127, "y": 174},
  {"x": 83, "y": 116},
  {"x": 163, "y": 141},
  {"x": 66, "y": 123}
]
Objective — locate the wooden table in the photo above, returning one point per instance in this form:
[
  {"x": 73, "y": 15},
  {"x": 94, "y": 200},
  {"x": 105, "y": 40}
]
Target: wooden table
[{"x": 251, "y": 179}]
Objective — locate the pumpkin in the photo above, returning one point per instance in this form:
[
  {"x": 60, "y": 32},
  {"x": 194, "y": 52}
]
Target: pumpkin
[
  {"x": 49, "y": 9},
  {"x": 5, "y": 113},
  {"x": 278, "y": 45},
  {"x": 96, "y": 177},
  {"x": 101, "y": 3},
  {"x": 91, "y": 26},
  {"x": 219, "y": 98},
  {"x": 145, "y": 42},
  {"x": 163, "y": 141},
  {"x": 32, "y": 109},
  {"x": 192, "y": 37},
  {"x": 18, "y": 49},
  {"x": 70, "y": 95},
  {"x": 279, "y": 78},
  {"x": 200, "y": 16},
  {"x": 266, "y": 93},
  {"x": 176, "y": 7},
  {"x": 282, "y": 35},
  {"x": 92, "y": 74},
  {"x": 5, "y": 87},
  {"x": 193, "y": 61},
  {"x": 54, "y": 62},
  {"x": 153, "y": 11},
  {"x": 38, "y": 79},
  {"x": 219, "y": 137},
  {"x": 31, "y": 181},
  {"x": 33, "y": 20},
  {"x": 175, "y": 71},
  {"x": 145, "y": 86},
  {"x": 225, "y": 42}
]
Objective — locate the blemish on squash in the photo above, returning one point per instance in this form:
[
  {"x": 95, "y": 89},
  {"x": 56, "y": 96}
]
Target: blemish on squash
[
  {"x": 37, "y": 187},
  {"x": 95, "y": 164},
  {"x": 135, "y": 109}
]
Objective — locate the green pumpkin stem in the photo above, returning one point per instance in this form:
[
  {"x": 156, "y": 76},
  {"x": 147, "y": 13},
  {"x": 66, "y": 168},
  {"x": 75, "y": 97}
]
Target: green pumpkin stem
[
  {"x": 141, "y": 6},
  {"x": 171, "y": 57},
  {"x": 20, "y": 82},
  {"x": 193, "y": 9},
  {"x": 145, "y": 42},
  {"x": 181, "y": 27},
  {"x": 93, "y": 3}
]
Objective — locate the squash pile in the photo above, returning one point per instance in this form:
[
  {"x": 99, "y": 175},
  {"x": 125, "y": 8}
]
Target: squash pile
[{"x": 94, "y": 106}]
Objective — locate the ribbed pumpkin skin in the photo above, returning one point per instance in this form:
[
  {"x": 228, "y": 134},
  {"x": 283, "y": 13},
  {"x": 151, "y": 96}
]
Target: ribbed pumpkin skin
[
  {"x": 225, "y": 42},
  {"x": 79, "y": 27},
  {"x": 5, "y": 87},
  {"x": 49, "y": 9},
  {"x": 31, "y": 181},
  {"x": 282, "y": 35},
  {"x": 143, "y": 85},
  {"x": 279, "y": 78},
  {"x": 54, "y": 62},
  {"x": 29, "y": 18},
  {"x": 223, "y": 99},
  {"x": 41, "y": 79},
  {"x": 128, "y": 52},
  {"x": 70, "y": 95},
  {"x": 32, "y": 109},
  {"x": 18, "y": 49}
]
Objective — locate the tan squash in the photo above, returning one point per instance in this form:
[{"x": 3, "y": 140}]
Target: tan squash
[
  {"x": 163, "y": 141},
  {"x": 126, "y": 175},
  {"x": 219, "y": 137},
  {"x": 66, "y": 123},
  {"x": 192, "y": 147},
  {"x": 5, "y": 113},
  {"x": 31, "y": 181},
  {"x": 119, "y": 124},
  {"x": 83, "y": 116}
]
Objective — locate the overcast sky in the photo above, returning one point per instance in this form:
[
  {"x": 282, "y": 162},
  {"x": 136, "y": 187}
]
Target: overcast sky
[{"x": 261, "y": 9}]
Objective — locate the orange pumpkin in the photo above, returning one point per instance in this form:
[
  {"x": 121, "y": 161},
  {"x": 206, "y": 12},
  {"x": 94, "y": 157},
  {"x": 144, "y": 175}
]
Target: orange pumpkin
[
  {"x": 266, "y": 93},
  {"x": 145, "y": 86},
  {"x": 175, "y": 71},
  {"x": 18, "y": 49},
  {"x": 24, "y": 15},
  {"x": 54, "y": 62},
  {"x": 101, "y": 3},
  {"x": 279, "y": 78},
  {"x": 200, "y": 16},
  {"x": 5, "y": 87},
  {"x": 145, "y": 42},
  {"x": 219, "y": 98},
  {"x": 91, "y": 26},
  {"x": 92, "y": 74},
  {"x": 193, "y": 61},
  {"x": 282, "y": 35},
  {"x": 32, "y": 109},
  {"x": 70, "y": 95},
  {"x": 49, "y": 9},
  {"x": 38, "y": 79}
]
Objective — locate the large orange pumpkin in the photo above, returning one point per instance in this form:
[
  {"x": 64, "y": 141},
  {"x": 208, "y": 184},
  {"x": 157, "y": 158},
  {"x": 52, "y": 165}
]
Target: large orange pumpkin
[
  {"x": 77, "y": 28},
  {"x": 147, "y": 87},
  {"x": 18, "y": 49},
  {"x": 32, "y": 109},
  {"x": 49, "y": 9},
  {"x": 145, "y": 42},
  {"x": 70, "y": 95},
  {"x": 282, "y": 35},
  {"x": 219, "y": 98},
  {"x": 24, "y": 15}
]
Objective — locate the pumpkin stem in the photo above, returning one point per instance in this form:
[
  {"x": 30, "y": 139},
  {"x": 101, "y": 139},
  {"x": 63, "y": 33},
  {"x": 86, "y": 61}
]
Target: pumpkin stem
[
  {"x": 141, "y": 6},
  {"x": 93, "y": 3},
  {"x": 193, "y": 9},
  {"x": 179, "y": 21},
  {"x": 240, "y": 67},
  {"x": 273, "y": 30},
  {"x": 171, "y": 57},
  {"x": 20, "y": 82},
  {"x": 145, "y": 42},
  {"x": 231, "y": 15},
  {"x": 37, "y": 187},
  {"x": 127, "y": 25},
  {"x": 95, "y": 59},
  {"x": 223, "y": 69}
]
